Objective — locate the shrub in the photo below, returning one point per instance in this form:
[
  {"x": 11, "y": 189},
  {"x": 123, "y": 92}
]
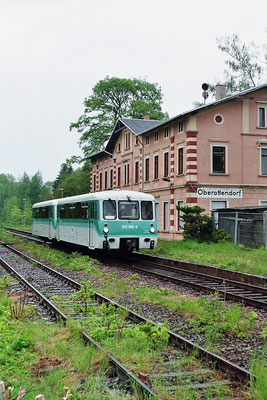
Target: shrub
[
  {"x": 220, "y": 236},
  {"x": 196, "y": 226}
]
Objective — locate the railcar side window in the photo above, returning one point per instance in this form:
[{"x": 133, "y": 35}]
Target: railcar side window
[
  {"x": 146, "y": 210},
  {"x": 42, "y": 212},
  {"x": 129, "y": 210},
  {"x": 109, "y": 209}
]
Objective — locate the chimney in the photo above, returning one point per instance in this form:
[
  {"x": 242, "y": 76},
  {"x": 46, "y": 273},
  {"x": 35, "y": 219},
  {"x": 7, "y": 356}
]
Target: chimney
[
  {"x": 220, "y": 91},
  {"x": 146, "y": 116}
]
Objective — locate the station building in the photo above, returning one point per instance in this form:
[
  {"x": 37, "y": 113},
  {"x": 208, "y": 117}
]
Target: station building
[{"x": 214, "y": 156}]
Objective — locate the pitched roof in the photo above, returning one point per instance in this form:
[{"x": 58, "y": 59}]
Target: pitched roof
[
  {"x": 138, "y": 126},
  {"x": 141, "y": 126}
]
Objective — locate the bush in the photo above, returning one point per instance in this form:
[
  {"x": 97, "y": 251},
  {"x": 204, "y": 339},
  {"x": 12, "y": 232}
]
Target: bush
[
  {"x": 220, "y": 236},
  {"x": 196, "y": 226}
]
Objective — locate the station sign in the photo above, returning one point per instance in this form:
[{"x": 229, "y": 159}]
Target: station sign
[{"x": 220, "y": 193}]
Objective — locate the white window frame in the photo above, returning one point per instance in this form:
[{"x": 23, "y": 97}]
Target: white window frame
[
  {"x": 263, "y": 201},
  {"x": 163, "y": 215},
  {"x": 262, "y": 148},
  {"x": 180, "y": 214},
  {"x": 147, "y": 180},
  {"x": 163, "y": 169},
  {"x": 212, "y": 208},
  {"x": 166, "y": 133},
  {"x": 178, "y": 148},
  {"x": 155, "y": 155},
  {"x": 156, "y": 137},
  {"x": 147, "y": 139},
  {"x": 127, "y": 135},
  {"x": 226, "y": 158},
  {"x": 180, "y": 123},
  {"x": 94, "y": 182},
  {"x": 265, "y": 113},
  {"x": 126, "y": 182}
]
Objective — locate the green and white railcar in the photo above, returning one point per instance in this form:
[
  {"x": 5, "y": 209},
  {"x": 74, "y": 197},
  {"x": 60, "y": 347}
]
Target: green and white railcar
[{"x": 114, "y": 219}]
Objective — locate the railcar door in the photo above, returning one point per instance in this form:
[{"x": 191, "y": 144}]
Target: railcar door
[
  {"x": 51, "y": 218},
  {"x": 91, "y": 210}
]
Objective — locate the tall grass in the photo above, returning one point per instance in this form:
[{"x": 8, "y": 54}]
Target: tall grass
[{"x": 230, "y": 256}]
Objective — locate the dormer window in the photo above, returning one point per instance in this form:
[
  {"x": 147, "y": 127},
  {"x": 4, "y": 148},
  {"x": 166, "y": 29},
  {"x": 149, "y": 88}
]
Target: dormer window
[
  {"x": 166, "y": 132},
  {"x": 180, "y": 126}
]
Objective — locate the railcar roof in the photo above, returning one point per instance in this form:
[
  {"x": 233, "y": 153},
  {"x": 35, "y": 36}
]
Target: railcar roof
[
  {"x": 105, "y": 195},
  {"x": 45, "y": 203}
]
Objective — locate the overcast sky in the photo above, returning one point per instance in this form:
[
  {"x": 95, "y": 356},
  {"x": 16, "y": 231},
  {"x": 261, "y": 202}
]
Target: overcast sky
[{"x": 54, "y": 51}]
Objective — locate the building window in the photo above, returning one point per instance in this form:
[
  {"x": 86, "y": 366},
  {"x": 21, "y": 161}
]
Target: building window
[
  {"x": 156, "y": 167},
  {"x": 218, "y": 119},
  {"x": 136, "y": 140},
  {"x": 119, "y": 147},
  {"x": 147, "y": 140},
  {"x": 165, "y": 215},
  {"x": 126, "y": 174},
  {"x": 263, "y": 161},
  {"x": 166, "y": 132},
  {"x": 136, "y": 172},
  {"x": 100, "y": 181},
  {"x": 180, "y": 126},
  {"x": 119, "y": 176},
  {"x": 180, "y": 158},
  {"x": 218, "y": 159},
  {"x": 216, "y": 204},
  {"x": 262, "y": 117},
  {"x": 127, "y": 140},
  {"x": 166, "y": 165},
  {"x": 147, "y": 169},
  {"x": 94, "y": 185},
  {"x": 111, "y": 179},
  {"x": 156, "y": 137},
  {"x": 106, "y": 179},
  {"x": 180, "y": 222}
]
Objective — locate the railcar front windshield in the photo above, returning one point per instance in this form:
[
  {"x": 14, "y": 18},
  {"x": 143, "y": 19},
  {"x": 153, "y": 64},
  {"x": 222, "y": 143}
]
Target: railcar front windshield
[
  {"x": 128, "y": 210},
  {"x": 109, "y": 209}
]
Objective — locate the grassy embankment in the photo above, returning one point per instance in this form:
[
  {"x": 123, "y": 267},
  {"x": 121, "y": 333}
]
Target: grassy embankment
[{"x": 230, "y": 256}]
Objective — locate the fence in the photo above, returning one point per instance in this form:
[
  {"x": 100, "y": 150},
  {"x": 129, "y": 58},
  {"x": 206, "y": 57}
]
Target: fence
[{"x": 245, "y": 227}]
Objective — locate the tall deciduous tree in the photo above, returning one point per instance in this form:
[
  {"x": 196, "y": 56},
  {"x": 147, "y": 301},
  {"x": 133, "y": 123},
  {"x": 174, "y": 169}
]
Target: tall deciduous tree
[
  {"x": 113, "y": 98},
  {"x": 244, "y": 66}
]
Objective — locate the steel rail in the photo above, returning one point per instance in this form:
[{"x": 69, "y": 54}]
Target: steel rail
[
  {"x": 220, "y": 362},
  {"x": 208, "y": 288},
  {"x": 123, "y": 371}
]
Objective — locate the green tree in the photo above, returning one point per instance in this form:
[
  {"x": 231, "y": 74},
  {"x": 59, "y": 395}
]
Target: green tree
[
  {"x": 15, "y": 216},
  {"x": 244, "y": 68},
  {"x": 74, "y": 182},
  {"x": 196, "y": 226},
  {"x": 113, "y": 98}
]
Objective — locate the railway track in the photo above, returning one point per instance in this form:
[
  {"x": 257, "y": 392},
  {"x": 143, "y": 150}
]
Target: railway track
[
  {"x": 46, "y": 283},
  {"x": 204, "y": 278},
  {"x": 247, "y": 289}
]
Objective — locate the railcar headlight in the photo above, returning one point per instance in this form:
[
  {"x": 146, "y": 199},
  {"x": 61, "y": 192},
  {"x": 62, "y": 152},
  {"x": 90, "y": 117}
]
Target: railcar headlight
[
  {"x": 106, "y": 230},
  {"x": 152, "y": 230}
]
